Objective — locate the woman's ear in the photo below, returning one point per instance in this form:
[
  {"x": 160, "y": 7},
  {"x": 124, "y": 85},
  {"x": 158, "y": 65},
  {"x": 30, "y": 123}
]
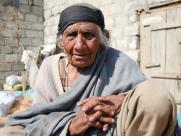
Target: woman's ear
[
  {"x": 61, "y": 41},
  {"x": 106, "y": 33}
]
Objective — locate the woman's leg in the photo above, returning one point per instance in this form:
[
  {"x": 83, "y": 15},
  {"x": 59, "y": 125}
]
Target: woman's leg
[
  {"x": 148, "y": 110},
  {"x": 12, "y": 131}
]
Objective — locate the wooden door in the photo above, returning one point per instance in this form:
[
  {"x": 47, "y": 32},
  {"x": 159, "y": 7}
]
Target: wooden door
[{"x": 160, "y": 55}]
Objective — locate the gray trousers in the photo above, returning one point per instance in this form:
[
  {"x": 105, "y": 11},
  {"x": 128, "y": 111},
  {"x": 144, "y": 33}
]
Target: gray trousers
[{"x": 148, "y": 110}]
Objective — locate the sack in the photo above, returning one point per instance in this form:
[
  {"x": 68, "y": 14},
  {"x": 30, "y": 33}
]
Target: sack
[{"x": 6, "y": 102}]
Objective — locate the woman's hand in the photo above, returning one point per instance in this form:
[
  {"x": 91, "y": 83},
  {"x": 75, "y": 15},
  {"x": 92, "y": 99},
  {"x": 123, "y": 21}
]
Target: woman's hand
[
  {"x": 108, "y": 106},
  {"x": 82, "y": 121},
  {"x": 79, "y": 124}
]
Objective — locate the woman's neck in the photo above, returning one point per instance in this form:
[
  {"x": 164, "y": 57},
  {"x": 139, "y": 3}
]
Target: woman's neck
[{"x": 72, "y": 73}]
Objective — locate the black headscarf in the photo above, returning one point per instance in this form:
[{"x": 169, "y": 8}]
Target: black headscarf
[{"x": 80, "y": 13}]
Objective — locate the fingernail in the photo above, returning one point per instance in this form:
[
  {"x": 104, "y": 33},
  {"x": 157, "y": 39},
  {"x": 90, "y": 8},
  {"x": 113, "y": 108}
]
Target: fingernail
[
  {"x": 112, "y": 120},
  {"x": 104, "y": 129}
]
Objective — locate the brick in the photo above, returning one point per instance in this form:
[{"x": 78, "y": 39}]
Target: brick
[
  {"x": 41, "y": 19},
  {"x": 52, "y": 21},
  {"x": 5, "y": 67},
  {"x": 1, "y": 58},
  {"x": 48, "y": 5},
  {"x": 9, "y": 18},
  {"x": 34, "y": 34},
  {"x": 7, "y": 33},
  {"x": 20, "y": 16},
  {"x": 55, "y": 10},
  {"x": 2, "y": 42},
  {"x": 12, "y": 25},
  {"x": 37, "y": 10},
  {"x": 31, "y": 18},
  {"x": 22, "y": 33},
  {"x": 25, "y": 9},
  {"x": 8, "y": 73},
  {"x": 32, "y": 48},
  {"x": 2, "y": 76},
  {"x": 24, "y": 2},
  {"x": 37, "y": 26},
  {"x": 1, "y": 84},
  {"x": 11, "y": 10},
  {"x": 11, "y": 57},
  {"x": 38, "y": 3},
  {"x": 18, "y": 67},
  {"x": 47, "y": 13},
  {"x": 50, "y": 30},
  {"x": 16, "y": 50},
  {"x": 2, "y": 24},
  {"x": 50, "y": 39},
  {"x": 24, "y": 25},
  {"x": 11, "y": 42},
  {"x": 37, "y": 42},
  {"x": 25, "y": 41},
  {"x": 6, "y": 49}
]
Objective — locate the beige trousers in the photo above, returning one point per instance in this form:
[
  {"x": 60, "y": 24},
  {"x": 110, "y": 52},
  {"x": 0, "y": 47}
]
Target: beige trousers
[{"x": 148, "y": 110}]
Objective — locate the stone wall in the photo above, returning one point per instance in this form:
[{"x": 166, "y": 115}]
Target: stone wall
[
  {"x": 21, "y": 27},
  {"x": 30, "y": 23}
]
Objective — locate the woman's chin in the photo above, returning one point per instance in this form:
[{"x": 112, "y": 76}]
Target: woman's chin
[{"x": 82, "y": 64}]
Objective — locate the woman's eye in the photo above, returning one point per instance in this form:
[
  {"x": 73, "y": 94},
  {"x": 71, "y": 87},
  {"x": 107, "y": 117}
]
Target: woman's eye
[
  {"x": 73, "y": 34},
  {"x": 88, "y": 35}
]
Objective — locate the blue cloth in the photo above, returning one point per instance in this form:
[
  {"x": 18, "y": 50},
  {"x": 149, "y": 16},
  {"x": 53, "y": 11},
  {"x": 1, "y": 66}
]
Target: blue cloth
[{"x": 178, "y": 127}]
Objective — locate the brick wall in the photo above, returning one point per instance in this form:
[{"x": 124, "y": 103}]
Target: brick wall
[{"x": 21, "y": 27}]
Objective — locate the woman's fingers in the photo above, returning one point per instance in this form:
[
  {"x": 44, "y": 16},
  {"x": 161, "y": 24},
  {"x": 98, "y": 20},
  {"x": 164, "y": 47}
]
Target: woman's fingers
[
  {"x": 80, "y": 103},
  {"x": 106, "y": 109},
  {"x": 90, "y": 104},
  {"x": 95, "y": 116},
  {"x": 106, "y": 120},
  {"x": 98, "y": 116},
  {"x": 97, "y": 124}
]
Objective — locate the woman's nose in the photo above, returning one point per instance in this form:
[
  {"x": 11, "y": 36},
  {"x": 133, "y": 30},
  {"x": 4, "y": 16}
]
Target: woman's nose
[{"x": 80, "y": 41}]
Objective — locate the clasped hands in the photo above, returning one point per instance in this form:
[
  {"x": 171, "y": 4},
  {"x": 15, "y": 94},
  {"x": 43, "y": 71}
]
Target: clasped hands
[{"x": 95, "y": 112}]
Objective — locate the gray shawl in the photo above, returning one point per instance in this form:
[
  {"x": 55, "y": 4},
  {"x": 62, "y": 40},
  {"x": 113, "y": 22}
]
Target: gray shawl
[{"x": 112, "y": 73}]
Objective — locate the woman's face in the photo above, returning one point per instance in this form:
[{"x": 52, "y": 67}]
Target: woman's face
[{"x": 81, "y": 42}]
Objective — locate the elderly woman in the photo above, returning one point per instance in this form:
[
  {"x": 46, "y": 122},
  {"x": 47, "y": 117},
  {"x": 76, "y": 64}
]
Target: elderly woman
[{"x": 93, "y": 90}]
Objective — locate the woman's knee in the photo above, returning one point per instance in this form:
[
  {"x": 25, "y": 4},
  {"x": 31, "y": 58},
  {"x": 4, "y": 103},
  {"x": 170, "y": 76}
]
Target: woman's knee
[{"x": 155, "y": 98}]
